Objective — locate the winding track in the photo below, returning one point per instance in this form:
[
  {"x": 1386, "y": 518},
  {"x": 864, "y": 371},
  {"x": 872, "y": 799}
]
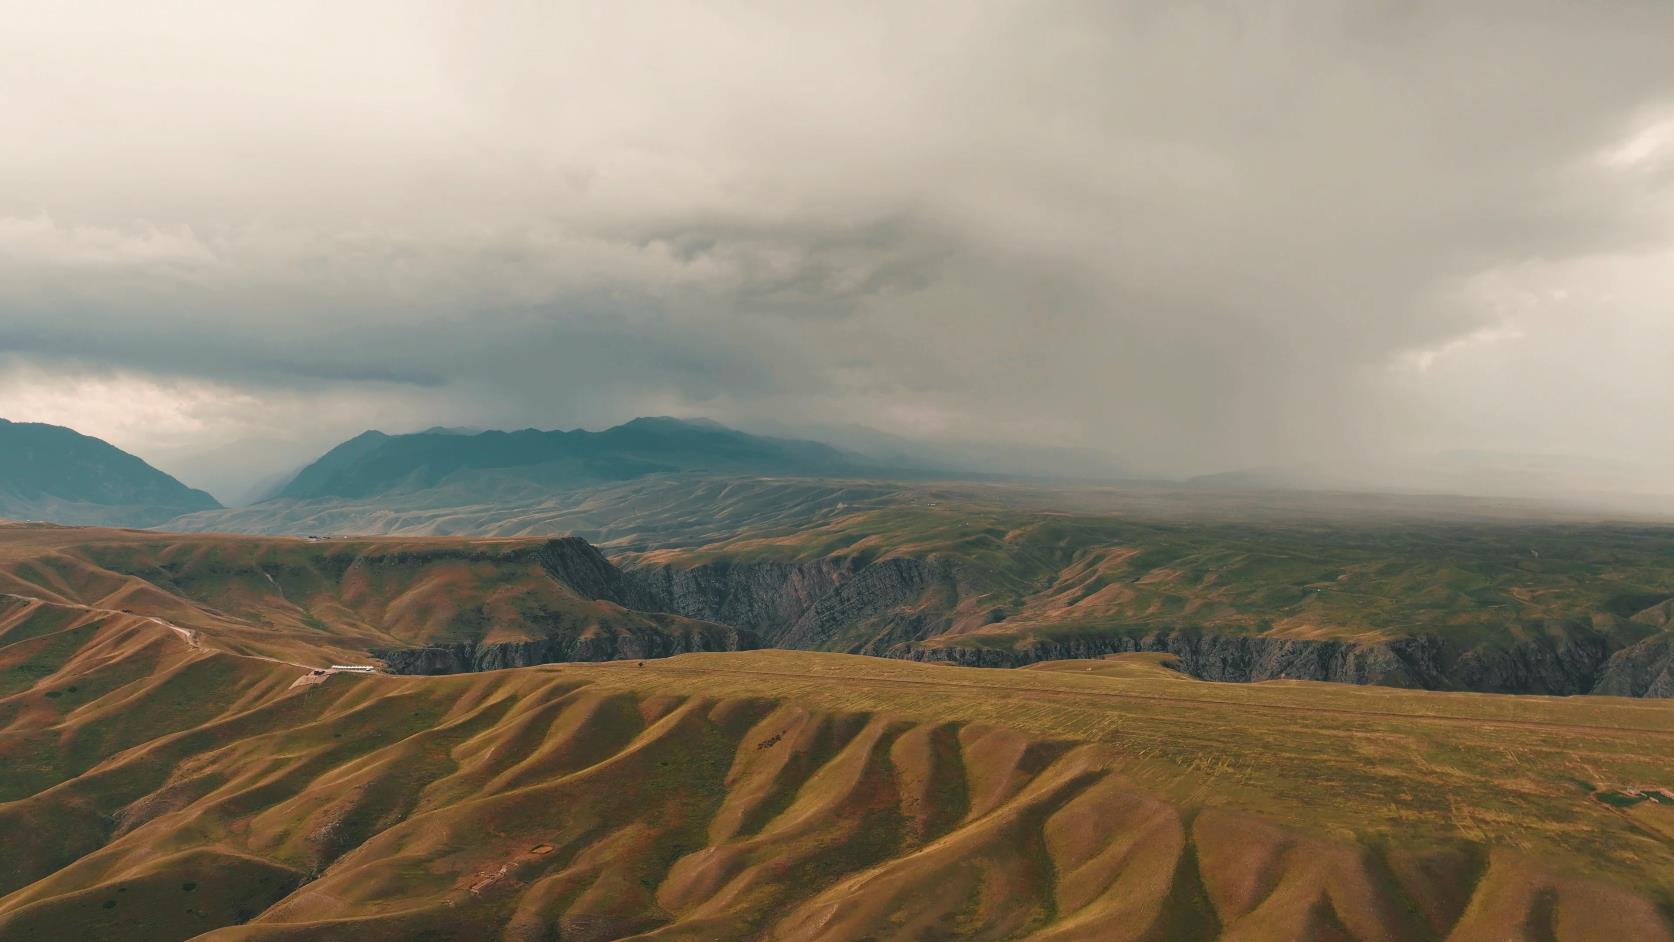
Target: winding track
[{"x": 185, "y": 634}]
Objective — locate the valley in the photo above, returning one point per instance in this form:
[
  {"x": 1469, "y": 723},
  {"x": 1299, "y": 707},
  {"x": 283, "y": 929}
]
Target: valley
[
  {"x": 1414, "y": 591},
  {"x": 1493, "y": 607}
]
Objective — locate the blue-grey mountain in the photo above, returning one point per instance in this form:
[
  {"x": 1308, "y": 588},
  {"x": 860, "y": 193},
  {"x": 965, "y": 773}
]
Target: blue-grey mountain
[
  {"x": 375, "y": 463},
  {"x": 56, "y": 474}
]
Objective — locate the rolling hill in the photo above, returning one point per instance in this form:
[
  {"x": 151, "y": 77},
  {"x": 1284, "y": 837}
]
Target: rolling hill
[
  {"x": 48, "y": 472},
  {"x": 431, "y": 605},
  {"x": 161, "y": 785}
]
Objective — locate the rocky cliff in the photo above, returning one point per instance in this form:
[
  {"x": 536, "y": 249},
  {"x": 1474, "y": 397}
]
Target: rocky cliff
[
  {"x": 896, "y": 606},
  {"x": 579, "y": 565},
  {"x": 1645, "y": 669},
  {"x": 851, "y": 603},
  {"x": 1578, "y": 662}
]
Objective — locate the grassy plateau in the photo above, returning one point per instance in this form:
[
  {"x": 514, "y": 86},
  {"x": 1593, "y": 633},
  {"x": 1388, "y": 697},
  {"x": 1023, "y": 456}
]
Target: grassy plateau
[{"x": 157, "y": 784}]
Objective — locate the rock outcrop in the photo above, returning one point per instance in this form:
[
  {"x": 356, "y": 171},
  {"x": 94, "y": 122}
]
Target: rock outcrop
[
  {"x": 850, "y": 603},
  {"x": 1557, "y": 663},
  {"x": 579, "y": 565},
  {"x": 1645, "y": 669}
]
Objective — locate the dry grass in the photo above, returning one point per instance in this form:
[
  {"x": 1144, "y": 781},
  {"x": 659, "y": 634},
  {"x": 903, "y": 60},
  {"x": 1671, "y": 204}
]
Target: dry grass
[
  {"x": 764, "y": 795},
  {"x": 790, "y": 795}
]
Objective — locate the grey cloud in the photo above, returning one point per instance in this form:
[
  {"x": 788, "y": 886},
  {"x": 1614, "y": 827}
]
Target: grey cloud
[
  {"x": 807, "y": 267},
  {"x": 334, "y": 359},
  {"x": 1193, "y": 235}
]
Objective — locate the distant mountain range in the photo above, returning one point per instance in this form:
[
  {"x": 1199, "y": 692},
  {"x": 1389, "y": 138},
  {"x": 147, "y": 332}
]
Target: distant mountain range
[
  {"x": 48, "y": 472},
  {"x": 58, "y": 475},
  {"x": 635, "y": 479},
  {"x": 374, "y": 463}
]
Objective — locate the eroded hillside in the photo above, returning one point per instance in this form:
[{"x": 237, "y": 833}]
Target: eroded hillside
[
  {"x": 461, "y": 604},
  {"x": 159, "y": 789}
]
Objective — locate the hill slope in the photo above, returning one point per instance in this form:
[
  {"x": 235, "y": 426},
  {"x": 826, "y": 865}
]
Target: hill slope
[
  {"x": 442, "y": 605},
  {"x": 155, "y": 790},
  {"x": 48, "y": 472}
]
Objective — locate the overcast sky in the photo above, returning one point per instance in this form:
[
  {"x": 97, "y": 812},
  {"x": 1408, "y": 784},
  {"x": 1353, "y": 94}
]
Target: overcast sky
[{"x": 1197, "y": 236}]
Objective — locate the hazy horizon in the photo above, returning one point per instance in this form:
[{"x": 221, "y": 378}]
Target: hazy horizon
[{"x": 1399, "y": 246}]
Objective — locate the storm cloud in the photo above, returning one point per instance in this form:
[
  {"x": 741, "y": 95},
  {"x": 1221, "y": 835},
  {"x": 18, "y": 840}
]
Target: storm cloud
[{"x": 1192, "y": 235}]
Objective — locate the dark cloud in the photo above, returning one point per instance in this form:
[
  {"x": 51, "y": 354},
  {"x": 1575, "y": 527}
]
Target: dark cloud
[{"x": 1193, "y": 235}]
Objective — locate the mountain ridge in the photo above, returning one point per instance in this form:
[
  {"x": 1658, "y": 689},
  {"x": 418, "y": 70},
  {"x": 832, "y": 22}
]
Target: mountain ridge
[
  {"x": 57, "y": 473},
  {"x": 375, "y": 463}
]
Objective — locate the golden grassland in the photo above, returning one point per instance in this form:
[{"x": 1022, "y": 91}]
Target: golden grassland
[
  {"x": 164, "y": 776},
  {"x": 152, "y": 789}
]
